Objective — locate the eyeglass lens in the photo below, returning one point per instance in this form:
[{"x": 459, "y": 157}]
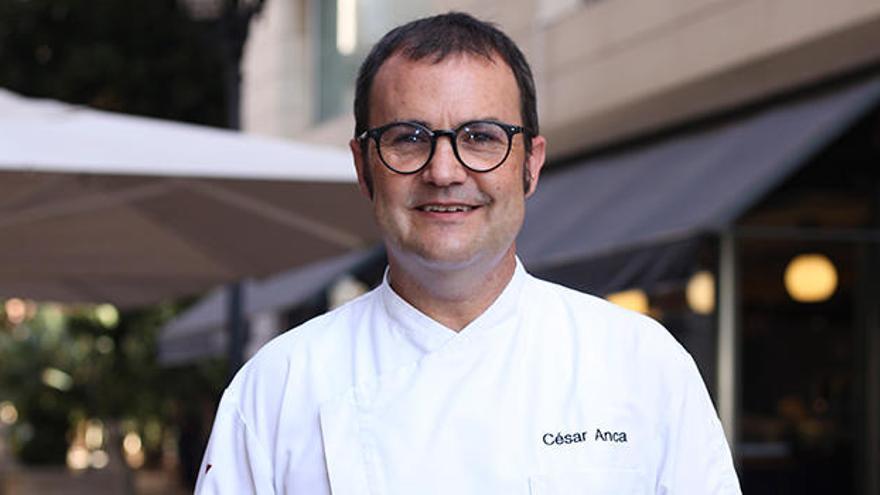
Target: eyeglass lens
[{"x": 407, "y": 147}]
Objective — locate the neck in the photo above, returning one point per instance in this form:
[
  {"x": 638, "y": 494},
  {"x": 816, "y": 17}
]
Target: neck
[{"x": 453, "y": 297}]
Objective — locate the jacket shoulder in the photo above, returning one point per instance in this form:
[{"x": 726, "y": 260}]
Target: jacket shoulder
[
  {"x": 322, "y": 334},
  {"x": 598, "y": 322}
]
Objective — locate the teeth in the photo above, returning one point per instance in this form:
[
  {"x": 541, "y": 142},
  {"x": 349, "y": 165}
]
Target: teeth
[{"x": 446, "y": 209}]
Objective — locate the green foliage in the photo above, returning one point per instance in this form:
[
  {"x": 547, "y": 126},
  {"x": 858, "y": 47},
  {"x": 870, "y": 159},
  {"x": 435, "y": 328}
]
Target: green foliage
[
  {"x": 137, "y": 56},
  {"x": 30, "y": 350},
  {"x": 25, "y": 351},
  {"x": 121, "y": 380}
]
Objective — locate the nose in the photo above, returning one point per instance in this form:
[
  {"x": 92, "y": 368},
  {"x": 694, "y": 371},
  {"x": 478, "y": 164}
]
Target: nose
[{"x": 444, "y": 169}]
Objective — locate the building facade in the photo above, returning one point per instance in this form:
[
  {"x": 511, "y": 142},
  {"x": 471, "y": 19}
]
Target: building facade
[
  {"x": 606, "y": 70},
  {"x": 797, "y": 383}
]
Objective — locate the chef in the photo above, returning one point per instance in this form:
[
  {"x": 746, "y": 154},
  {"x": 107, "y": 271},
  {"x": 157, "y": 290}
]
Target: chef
[{"x": 461, "y": 373}]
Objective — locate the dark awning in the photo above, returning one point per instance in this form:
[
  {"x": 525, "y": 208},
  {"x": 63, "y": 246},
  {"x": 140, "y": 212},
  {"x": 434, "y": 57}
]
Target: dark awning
[
  {"x": 661, "y": 194},
  {"x": 200, "y": 332}
]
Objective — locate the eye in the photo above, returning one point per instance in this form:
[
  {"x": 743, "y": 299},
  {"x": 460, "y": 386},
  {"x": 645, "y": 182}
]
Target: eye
[
  {"x": 482, "y": 134},
  {"x": 411, "y": 137},
  {"x": 479, "y": 137},
  {"x": 404, "y": 135}
]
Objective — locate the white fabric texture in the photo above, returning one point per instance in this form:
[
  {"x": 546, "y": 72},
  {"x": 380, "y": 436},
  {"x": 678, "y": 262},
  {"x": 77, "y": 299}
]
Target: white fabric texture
[{"x": 549, "y": 391}]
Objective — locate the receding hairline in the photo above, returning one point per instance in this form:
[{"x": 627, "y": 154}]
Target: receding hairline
[{"x": 492, "y": 57}]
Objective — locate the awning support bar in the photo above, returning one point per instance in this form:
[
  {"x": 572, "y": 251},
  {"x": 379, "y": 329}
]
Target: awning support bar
[{"x": 728, "y": 341}]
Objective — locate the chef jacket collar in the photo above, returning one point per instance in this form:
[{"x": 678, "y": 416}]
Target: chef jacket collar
[{"x": 431, "y": 334}]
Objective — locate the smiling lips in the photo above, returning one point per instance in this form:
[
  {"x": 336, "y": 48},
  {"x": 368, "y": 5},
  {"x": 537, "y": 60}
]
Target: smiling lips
[{"x": 436, "y": 208}]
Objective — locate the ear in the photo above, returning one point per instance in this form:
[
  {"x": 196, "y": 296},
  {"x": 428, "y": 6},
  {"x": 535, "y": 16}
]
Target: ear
[
  {"x": 535, "y": 162},
  {"x": 365, "y": 179}
]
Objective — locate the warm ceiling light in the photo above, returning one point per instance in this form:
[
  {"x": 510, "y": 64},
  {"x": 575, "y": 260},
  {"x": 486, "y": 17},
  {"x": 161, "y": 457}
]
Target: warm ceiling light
[
  {"x": 633, "y": 299},
  {"x": 700, "y": 292},
  {"x": 810, "y": 278}
]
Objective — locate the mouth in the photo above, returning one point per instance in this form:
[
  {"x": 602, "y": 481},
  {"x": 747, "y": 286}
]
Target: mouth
[{"x": 454, "y": 208}]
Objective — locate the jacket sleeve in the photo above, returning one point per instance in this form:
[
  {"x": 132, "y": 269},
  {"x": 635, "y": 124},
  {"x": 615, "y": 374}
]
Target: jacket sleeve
[
  {"x": 235, "y": 462},
  {"x": 697, "y": 459}
]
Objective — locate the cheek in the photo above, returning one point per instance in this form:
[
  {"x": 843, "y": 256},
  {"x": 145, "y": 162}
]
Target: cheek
[
  {"x": 368, "y": 180},
  {"x": 511, "y": 188},
  {"x": 514, "y": 195},
  {"x": 389, "y": 193}
]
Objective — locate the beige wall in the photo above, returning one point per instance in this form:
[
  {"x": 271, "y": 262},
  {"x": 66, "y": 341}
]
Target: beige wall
[
  {"x": 606, "y": 70},
  {"x": 617, "y": 68},
  {"x": 277, "y": 67}
]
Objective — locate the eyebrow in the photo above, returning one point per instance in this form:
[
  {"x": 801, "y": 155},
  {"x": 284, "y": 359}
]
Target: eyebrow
[{"x": 457, "y": 125}]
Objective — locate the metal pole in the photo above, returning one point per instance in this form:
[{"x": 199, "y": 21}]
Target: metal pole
[
  {"x": 728, "y": 345},
  {"x": 237, "y": 326},
  {"x": 233, "y": 28},
  {"x": 869, "y": 296},
  {"x": 235, "y": 320},
  {"x": 873, "y": 391}
]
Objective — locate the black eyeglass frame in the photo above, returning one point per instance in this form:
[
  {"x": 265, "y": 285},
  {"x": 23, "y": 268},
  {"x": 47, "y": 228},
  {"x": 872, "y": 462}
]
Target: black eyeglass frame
[{"x": 434, "y": 134}]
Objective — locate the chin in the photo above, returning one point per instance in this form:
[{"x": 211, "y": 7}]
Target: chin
[
  {"x": 449, "y": 261},
  {"x": 445, "y": 258},
  {"x": 453, "y": 257}
]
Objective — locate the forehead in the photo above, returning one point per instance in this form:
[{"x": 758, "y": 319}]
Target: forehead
[{"x": 458, "y": 88}]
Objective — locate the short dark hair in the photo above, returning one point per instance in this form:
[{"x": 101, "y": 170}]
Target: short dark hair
[{"x": 438, "y": 37}]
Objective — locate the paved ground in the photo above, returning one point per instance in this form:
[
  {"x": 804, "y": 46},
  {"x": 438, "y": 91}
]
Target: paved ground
[
  {"x": 158, "y": 483},
  {"x": 113, "y": 480},
  {"x": 59, "y": 481}
]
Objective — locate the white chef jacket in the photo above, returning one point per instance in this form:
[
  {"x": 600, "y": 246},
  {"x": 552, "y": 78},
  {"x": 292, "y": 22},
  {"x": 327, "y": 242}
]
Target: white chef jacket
[{"x": 549, "y": 391}]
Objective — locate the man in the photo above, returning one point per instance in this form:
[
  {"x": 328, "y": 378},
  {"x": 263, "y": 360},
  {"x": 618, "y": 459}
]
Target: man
[{"x": 461, "y": 373}]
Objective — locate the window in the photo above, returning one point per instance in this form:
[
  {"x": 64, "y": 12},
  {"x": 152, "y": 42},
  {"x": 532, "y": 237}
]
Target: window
[{"x": 347, "y": 31}]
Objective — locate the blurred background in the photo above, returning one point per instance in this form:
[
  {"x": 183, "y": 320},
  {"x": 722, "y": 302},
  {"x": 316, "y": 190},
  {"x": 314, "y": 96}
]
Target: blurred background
[{"x": 712, "y": 163}]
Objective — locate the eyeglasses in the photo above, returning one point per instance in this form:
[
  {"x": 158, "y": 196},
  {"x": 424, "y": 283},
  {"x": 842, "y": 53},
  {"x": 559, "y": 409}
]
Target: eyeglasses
[{"x": 406, "y": 147}]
